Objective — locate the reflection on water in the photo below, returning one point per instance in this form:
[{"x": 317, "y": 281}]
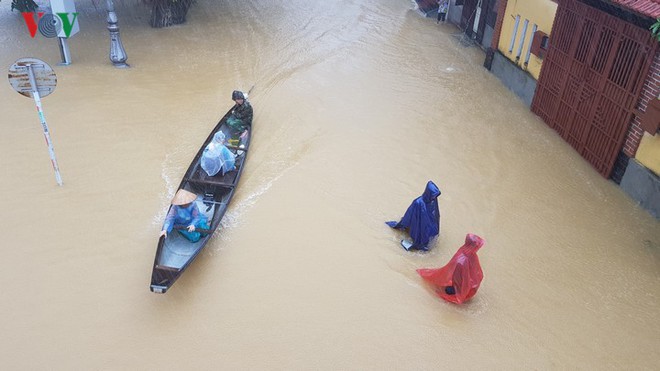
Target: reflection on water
[{"x": 357, "y": 106}]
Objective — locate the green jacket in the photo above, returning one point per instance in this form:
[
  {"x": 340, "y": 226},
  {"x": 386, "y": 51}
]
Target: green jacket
[{"x": 243, "y": 113}]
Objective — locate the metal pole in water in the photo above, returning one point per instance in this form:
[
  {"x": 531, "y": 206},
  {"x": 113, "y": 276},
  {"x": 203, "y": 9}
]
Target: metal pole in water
[
  {"x": 64, "y": 52},
  {"x": 118, "y": 55},
  {"x": 44, "y": 125}
]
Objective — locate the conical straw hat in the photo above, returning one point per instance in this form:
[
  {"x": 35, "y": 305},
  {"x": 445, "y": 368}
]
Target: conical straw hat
[{"x": 183, "y": 197}]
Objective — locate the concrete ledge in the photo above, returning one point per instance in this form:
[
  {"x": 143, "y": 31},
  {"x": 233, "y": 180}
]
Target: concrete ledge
[
  {"x": 643, "y": 186},
  {"x": 517, "y": 80}
]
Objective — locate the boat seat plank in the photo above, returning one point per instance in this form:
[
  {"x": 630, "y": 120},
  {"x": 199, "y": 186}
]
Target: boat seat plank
[
  {"x": 199, "y": 176},
  {"x": 166, "y": 268},
  {"x": 211, "y": 182}
]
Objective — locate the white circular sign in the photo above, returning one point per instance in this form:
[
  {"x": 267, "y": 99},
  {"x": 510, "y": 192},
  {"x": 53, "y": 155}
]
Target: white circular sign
[{"x": 44, "y": 77}]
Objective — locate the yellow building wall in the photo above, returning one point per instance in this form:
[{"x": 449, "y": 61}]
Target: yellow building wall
[
  {"x": 648, "y": 153},
  {"x": 539, "y": 12}
]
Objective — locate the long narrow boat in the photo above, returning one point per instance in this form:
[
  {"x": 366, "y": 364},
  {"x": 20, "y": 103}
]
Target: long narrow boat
[{"x": 175, "y": 253}]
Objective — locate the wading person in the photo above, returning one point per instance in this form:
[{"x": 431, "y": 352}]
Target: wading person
[
  {"x": 459, "y": 280},
  {"x": 184, "y": 211},
  {"x": 241, "y": 114},
  {"x": 421, "y": 220},
  {"x": 217, "y": 158},
  {"x": 443, "y": 7}
]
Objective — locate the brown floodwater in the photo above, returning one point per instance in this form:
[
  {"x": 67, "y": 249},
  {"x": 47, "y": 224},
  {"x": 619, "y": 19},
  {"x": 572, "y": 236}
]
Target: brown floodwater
[{"x": 357, "y": 105}]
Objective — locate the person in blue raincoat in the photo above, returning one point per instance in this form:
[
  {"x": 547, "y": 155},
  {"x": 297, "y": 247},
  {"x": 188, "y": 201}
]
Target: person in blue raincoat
[
  {"x": 184, "y": 212},
  {"x": 217, "y": 158},
  {"x": 422, "y": 219}
]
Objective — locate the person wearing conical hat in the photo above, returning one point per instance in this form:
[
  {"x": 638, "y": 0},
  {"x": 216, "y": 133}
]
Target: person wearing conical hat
[{"x": 184, "y": 211}]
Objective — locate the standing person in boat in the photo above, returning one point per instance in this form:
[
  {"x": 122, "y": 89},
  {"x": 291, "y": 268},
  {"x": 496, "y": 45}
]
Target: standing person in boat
[
  {"x": 217, "y": 158},
  {"x": 460, "y": 279},
  {"x": 184, "y": 211},
  {"x": 241, "y": 114},
  {"x": 422, "y": 219}
]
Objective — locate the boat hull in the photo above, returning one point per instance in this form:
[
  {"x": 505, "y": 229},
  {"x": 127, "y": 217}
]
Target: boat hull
[{"x": 175, "y": 253}]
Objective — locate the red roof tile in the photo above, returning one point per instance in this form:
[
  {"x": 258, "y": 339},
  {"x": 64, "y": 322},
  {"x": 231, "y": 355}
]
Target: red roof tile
[{"x": 650, "y": 8}]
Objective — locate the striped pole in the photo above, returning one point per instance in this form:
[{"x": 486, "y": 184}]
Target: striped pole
[{"x": 44, "y": 125}]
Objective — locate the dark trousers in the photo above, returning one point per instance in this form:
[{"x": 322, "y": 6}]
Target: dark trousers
[{"x": 441, "y": 17}]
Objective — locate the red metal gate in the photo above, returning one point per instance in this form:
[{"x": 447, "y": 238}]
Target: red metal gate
[{"x": 591, "y": 80}]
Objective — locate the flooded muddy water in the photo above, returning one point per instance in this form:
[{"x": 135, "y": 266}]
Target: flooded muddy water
[{"x": 357, "y": 105}]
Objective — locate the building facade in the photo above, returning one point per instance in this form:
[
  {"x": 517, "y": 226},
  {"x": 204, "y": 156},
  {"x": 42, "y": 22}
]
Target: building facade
[
  {"x": 476, "y": 18},
  {"x": 591, "y": 70},
  {"x": 522, "y": 38}
]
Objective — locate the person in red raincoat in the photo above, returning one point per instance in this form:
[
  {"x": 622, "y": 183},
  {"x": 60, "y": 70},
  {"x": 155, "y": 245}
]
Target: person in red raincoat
[{"x": 459, "y": 280}]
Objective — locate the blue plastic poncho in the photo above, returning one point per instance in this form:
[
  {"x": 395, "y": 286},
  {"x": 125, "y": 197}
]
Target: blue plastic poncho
[
  {"x": 422, "y": 218},
  {"x": 216, "y": 157},
  {"x": 186, "y": 216}
]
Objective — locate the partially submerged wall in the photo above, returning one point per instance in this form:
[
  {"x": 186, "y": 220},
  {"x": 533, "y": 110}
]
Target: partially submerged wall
[
  {"x": 643, "y": 186},
  {"x": 517, "y": 80}
]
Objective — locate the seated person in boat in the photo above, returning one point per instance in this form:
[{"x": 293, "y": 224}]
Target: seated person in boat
[
  {"x": 184, "y": 212},
  {"x": 241, "y": 114},
  {"x": 217, "y": 158}
]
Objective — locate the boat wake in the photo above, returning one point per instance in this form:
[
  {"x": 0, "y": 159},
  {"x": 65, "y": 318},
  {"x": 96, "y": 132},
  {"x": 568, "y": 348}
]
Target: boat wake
[
  {"x": 270, "y": 172},
  {"x": 170, "y": 172},
  {"x": 233, "y": 216}
]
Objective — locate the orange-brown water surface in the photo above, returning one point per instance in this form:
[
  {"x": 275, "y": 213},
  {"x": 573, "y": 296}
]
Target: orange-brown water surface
[{"x": 357, "y": 105}]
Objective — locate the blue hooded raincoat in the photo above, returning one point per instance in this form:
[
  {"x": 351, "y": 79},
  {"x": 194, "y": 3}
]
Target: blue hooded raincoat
[
  {"x": 422, "y": 219},
  {"x": 216, "y": 158},
  {"x": 186, "y": 216}
]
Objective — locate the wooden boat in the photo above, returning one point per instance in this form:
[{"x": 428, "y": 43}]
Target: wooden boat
[{"x": 175, "y": 253}]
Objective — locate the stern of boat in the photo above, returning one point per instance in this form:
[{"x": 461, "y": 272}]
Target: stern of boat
[
  {"x": 158, "y": 289},
  {"x": 161, "y": 287}
]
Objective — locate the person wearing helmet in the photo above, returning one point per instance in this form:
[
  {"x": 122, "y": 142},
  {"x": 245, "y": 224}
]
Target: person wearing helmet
[{"x": 241, "y": 114}]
